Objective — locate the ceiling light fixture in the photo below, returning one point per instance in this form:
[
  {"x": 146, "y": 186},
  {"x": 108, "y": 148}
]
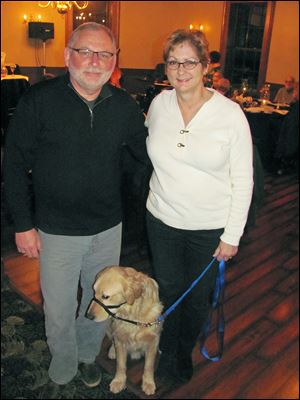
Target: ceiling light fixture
[{"x": 63, "y": 6}]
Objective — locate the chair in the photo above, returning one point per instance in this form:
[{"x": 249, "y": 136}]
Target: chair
[
  {"x": 159, "y": 74},
  {"x": 11, "y": 92},
  {"x": 16, "y": 71},
  {"x": 287, "y": 147}
]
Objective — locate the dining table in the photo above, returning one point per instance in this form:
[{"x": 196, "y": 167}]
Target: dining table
[
  {"x": 12, "y": 88},
  {"x": 14, "y": 76},
  {"x": 265, "y": 121}
]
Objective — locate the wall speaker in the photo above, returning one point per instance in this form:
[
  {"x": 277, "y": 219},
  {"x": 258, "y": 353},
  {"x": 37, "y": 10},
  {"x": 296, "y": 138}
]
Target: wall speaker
[{"x": 41, "y": 30}]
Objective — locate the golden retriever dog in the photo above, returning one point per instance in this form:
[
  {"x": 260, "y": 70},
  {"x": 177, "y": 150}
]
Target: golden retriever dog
[{"x": 133, "y": 296}]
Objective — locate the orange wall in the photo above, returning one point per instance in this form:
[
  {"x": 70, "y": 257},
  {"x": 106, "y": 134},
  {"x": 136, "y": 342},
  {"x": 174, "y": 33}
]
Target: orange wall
[
  {"x": 284, "y": 48},
  {"x": 144, "y": 25},
  {"x": 15, "y": 43}
]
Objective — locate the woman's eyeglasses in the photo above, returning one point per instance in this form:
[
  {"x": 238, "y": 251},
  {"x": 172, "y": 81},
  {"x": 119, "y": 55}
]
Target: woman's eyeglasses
[{"x": 188, "y": 64}]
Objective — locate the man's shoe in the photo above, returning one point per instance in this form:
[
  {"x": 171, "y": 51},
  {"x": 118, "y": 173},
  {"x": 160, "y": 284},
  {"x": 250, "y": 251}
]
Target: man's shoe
[
  {"x": 90, "y": 374},
  {"x": 51, "y": 391}
]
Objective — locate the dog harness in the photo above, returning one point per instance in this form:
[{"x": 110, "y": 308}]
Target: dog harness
[{"x": 107, "y": 309}]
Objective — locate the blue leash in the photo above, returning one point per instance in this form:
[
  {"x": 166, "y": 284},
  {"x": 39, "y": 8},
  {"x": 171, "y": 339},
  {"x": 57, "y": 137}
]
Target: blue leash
[{"x": 217, "y": 303}]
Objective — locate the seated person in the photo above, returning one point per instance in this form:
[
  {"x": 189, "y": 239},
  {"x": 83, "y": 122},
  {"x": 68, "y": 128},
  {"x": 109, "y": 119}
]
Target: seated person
[
  {"x": 214, "y": 66},
  {"x": 285, "y": 94},
  {"x": 116, "y": 77},
  {"x": 223, "y": 87},
  {"x": 215, "y": 79}
]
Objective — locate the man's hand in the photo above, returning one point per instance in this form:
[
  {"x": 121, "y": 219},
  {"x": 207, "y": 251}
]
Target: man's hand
[{"x": 28, "y": 243}]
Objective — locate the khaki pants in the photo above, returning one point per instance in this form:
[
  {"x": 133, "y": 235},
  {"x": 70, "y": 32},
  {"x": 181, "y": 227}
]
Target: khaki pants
[{"x": 64, "y": 262}]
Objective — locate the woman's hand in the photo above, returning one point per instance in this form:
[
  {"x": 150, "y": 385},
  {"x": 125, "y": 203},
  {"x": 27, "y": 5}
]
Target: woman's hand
[
  {"x": 225, "y": 251},
  {"x": 29, "y": 243}
]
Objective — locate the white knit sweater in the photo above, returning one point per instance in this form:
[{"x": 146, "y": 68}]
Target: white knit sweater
[{"x": 203, "y": 174}]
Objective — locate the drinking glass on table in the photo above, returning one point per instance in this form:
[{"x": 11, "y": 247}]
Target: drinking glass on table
[{"x": 265, "y": 92}]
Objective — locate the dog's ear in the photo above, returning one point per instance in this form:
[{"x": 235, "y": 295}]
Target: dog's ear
[
  {"x": 133, "y": 285},
  {"x": 133, "y": 291},
  {"x": 151, "y": 290}
]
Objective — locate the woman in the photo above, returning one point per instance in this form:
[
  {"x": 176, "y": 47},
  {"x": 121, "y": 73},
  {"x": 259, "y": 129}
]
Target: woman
[{"x": 200, "y": 146}]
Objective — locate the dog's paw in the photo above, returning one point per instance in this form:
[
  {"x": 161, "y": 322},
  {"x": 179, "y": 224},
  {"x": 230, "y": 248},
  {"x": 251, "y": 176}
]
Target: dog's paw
[
  {"x": 148, "y": 387},
  {"x": 117, "y": 385},
  {"x": 112, "y": 352}
]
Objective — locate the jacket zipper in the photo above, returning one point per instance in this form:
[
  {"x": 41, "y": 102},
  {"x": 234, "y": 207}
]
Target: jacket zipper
[
  {"x": 90, "y": 110},
  {"x": 92, "y": 117},
  {"x": 92, "y": 113}
]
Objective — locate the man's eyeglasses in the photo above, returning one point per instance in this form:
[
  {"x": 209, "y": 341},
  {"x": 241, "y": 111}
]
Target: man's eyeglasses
[
  {"x": 188, "y": 64},
  {"x": 88, "y": 54}
]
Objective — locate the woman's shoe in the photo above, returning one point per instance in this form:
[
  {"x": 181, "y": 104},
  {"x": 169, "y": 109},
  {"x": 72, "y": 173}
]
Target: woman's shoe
[
  {"x": 166, "y": 368},
  {"x": 185, "y": 368}
]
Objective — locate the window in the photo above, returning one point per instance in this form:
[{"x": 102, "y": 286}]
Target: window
[
  {"x": 96, "y": 11},
  {"x": 103, "y": 12},
  {"x": 245, "y": 49}
]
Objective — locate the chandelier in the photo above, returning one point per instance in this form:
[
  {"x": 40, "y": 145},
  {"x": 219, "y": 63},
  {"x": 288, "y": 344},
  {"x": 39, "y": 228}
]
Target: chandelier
[{"x": 63, "y": 6}]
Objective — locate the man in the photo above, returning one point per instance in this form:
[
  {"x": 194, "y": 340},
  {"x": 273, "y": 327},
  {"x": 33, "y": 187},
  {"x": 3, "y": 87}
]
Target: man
[
  {"x": 223, "y": 87},
  {"x": 69, "y": 135},
  {"x": 285, "y": 94}
]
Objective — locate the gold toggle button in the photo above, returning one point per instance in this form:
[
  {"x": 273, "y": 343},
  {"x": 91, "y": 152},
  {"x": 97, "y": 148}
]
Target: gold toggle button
[
  {"x": 180, "y": 145},
  {"x": 183, "y": 131}
]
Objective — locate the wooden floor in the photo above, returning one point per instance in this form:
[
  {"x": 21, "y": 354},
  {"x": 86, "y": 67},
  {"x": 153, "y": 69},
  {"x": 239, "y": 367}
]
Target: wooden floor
[{"x": 260, "y": 359}]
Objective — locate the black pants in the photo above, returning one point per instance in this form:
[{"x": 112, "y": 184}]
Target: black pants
[{"x": 178, "y": 257}]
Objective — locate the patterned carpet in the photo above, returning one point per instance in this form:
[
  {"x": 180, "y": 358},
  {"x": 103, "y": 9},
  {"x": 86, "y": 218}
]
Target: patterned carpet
[{"x": 25, "y": 356}]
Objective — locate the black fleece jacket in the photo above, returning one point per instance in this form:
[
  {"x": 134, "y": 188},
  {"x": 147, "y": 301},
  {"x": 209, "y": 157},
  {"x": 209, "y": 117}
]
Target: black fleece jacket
[{"x": 71, "y": 157}]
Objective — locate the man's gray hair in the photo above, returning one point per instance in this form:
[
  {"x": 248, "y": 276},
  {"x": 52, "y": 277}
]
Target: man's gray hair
[{"x": 91, "y": 26}]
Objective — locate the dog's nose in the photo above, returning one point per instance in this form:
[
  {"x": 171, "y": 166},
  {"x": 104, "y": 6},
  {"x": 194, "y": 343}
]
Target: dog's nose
[{"x": 89, "y": 315}]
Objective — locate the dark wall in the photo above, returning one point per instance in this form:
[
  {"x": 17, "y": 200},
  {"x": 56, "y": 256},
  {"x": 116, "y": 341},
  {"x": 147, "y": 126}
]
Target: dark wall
[
  {"x": 136, "y": 80},
  {"x": 133, "y": 80},
  {"x": 35, "y": 74}
]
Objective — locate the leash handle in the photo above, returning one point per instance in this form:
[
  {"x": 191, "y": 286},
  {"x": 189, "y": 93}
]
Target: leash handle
[{"x": 218, "y": 301}]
